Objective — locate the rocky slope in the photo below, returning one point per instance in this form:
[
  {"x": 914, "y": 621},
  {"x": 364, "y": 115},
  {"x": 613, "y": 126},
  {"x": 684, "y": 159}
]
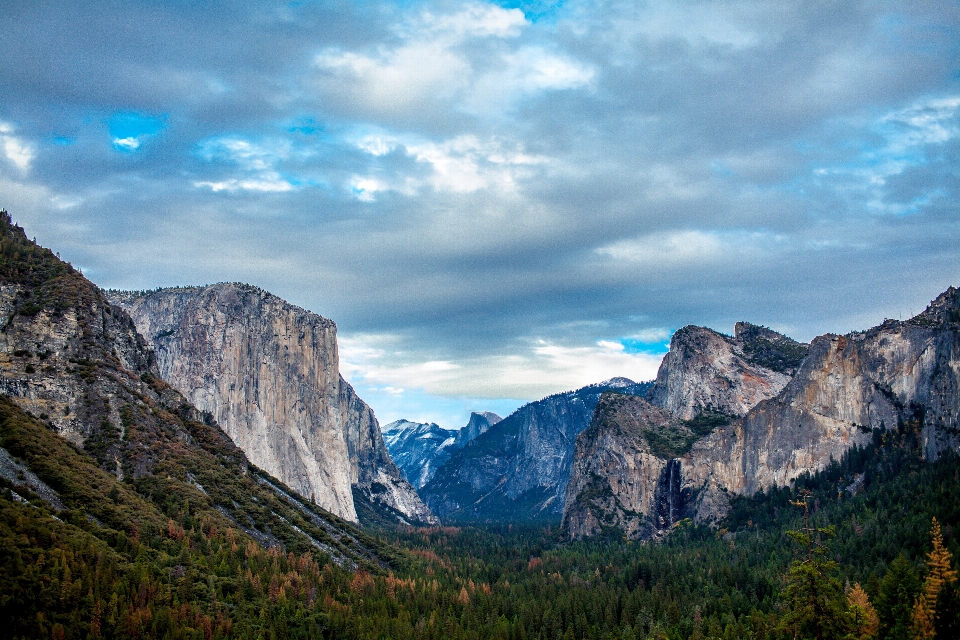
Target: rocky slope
[
  {"x": 708, "y": 370},
  {"x": 419, "y": 448},
  {"x": 268, "y": 373},
  {"x": 518, "y": 470},
  {"x": 73, "y": 366},
  {"x": 896, "y": 375}
]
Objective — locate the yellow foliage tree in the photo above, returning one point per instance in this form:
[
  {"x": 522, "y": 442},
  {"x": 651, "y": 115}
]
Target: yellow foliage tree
[
  {"x": 865, "y": 620},
  {"x": 939, "y": 573}
]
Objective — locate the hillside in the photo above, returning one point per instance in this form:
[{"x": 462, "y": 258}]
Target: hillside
[{"x": 124, "y": 508}]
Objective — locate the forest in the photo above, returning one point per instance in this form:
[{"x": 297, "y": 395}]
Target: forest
[{"x": 865, "y": 548}]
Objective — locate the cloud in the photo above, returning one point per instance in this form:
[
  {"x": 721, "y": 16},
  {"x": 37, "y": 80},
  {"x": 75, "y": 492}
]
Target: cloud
[
  {"x": 538, "y": 370},
  {"x": 258, "y": 162},
  {"x": 129, "y": 130},
  {"x": 438, "y": 58},
  {"x": 472, "y": 178},
  {"x": 18, "y": 152}
]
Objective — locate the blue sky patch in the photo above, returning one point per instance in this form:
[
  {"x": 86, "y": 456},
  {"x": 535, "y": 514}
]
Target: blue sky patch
[
  {"x": 633, "y": 345},
  {"x": 129, "y": 130},
  {"x": 534, "y": 10}
]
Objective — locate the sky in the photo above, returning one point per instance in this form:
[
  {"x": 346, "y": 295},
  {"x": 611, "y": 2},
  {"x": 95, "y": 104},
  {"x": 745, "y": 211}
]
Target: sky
[{"x": 497, "y": 201}]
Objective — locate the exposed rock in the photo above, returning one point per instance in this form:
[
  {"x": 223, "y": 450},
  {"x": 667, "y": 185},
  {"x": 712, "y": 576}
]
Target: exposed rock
[
  {"x": 617, "y": 481},
  {"x": 900, "y": 373},
  {"x": 418, "y": 448},
  {"x": 706, "y": 370},
  {"x": 268, "y": 373},
  {"x": 518, "y": 470},
  {"x": 478, "y": 424}
]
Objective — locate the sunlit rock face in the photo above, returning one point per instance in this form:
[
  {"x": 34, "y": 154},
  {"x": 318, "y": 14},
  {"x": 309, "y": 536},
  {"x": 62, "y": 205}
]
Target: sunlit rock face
[
  {"x": 268, "y": 372},
  {"x": 905, "y": 373},
  {"x": 708, "y": 370}
]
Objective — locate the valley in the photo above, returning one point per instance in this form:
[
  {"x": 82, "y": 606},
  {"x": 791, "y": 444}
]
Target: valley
[{"x": 189, "y": 462}]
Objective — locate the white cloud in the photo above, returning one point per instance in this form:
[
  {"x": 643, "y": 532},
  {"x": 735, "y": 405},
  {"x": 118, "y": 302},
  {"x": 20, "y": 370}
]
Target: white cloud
[
  {"x": 18, "y": 152},
  {"x": 431, "y": 63},
  {"x": 257, "y": 161},
  {"x": 128, "y": 144},
  {"x": 276, "y": 184},
  {"x": 463, "y": 164},
  {"x": 650, "y": 336},
  {"x": 673, "y": 248},
  {"x": 541, "y": 369},
  {"x": 474, "y": 20}
]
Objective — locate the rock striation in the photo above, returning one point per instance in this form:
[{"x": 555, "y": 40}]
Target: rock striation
[
  {"x": 899, "y": 374},
  {"x": 268, "y": 373},
  {"x": 517, "y": 471}
]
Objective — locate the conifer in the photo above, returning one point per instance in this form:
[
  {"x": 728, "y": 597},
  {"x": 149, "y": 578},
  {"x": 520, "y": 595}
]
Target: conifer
[{"x": 939, "y": 573}]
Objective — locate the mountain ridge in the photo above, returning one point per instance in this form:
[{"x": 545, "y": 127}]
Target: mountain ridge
[
  {"x": 518, "y": 470},
  {"x": 845, "y": 388}
]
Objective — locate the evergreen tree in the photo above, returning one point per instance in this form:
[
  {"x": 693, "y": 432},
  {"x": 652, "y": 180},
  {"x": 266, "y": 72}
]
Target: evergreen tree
[
  {"x": 894, "y": 605},
  {"x": 816, "y": 606}
]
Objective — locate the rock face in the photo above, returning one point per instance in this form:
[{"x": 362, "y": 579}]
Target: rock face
[
  {"x": 478, "y": 424},
  {"x": 518, "y": 470},
  {"x": 708, "y": 370},
  {"x": 268, "y": 373},
  {"x": 900, "y": 373}
]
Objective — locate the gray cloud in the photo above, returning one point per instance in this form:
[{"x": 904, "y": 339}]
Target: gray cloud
[{"x": 460, "y": 182}]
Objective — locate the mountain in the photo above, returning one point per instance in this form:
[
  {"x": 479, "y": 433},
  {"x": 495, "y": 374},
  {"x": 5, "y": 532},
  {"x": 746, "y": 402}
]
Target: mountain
[
  {"x": 708, "y": 370},
  {"x": 268, "y": 373},
  {"x": 479, "y": 423},
  {"x": 641, "y": 470},
  {"x": 419, "y": 448},
  {"x": 517, "y": 471},
  {"x": 124, "y": 510}
]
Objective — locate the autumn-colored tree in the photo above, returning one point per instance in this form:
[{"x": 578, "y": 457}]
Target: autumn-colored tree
[
  {"x": 863, "y": 616},
  {"x": 940, "y": 573}
]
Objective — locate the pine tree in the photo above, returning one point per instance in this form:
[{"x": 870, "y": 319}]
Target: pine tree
[
  {"x": 815, "y": 603},
  {"x": 894, "y": 602}
]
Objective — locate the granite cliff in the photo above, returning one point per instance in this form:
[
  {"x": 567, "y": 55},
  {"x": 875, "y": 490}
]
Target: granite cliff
[
  {"x": 268, "y": 373},
  {"x": 899, "y": 374},
  {"x": 708, "y": 370},
  {"x": 517, "y": 471}
]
